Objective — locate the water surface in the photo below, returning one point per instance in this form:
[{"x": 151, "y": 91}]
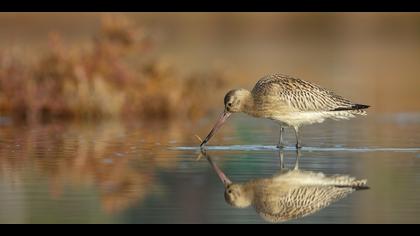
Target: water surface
[{"x": 135, "y": 172}]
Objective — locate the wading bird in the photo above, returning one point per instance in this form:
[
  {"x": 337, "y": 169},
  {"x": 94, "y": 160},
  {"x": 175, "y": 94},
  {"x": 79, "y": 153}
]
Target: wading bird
[
  {"x": 289, "y": 194},
  {"x": 290, "y": 102}
]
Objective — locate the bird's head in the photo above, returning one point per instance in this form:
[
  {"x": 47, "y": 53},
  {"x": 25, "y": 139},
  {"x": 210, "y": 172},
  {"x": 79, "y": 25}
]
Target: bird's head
[
  {"x": 236, "y": 100},
  {"x": 237, "y": 196}
]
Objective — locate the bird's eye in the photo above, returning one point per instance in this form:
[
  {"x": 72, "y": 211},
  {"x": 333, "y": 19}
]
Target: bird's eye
[
  {"x": 229, "y": 191},
  {"x": 229, "y": 104}
]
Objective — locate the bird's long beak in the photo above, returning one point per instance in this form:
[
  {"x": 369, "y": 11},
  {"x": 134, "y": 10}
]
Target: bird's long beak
[
  {"x": 225, "y": 180},
  {"x": 225, "y": 115}
]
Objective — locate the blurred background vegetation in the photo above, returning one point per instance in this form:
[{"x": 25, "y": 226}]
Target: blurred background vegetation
[
  {"x": 179, "y": 65},
  {"x": 111, "y": 74},
  {"x": 172, "y": 70}
]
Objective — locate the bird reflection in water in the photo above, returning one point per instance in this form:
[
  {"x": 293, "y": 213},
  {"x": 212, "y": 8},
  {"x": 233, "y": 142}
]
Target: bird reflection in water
[{"x": 289, "y": 194}]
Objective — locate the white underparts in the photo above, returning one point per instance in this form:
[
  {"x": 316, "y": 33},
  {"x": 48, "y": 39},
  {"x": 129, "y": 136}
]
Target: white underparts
[{"x": 306, "y": 118}]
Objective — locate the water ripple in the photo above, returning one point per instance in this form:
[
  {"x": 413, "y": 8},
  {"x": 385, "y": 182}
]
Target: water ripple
[{"x": 310, "y": 149}]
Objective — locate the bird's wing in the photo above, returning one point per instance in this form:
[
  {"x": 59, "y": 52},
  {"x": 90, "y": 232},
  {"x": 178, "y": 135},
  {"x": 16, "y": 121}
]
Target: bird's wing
[
  {"x": 300, "y": 94},
  {"x": 297, "y": 202}
]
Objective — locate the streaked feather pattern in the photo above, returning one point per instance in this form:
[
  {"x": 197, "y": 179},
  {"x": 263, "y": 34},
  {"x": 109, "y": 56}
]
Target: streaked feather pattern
[
  {"x": 290, "y": 102},
  {"x": 285, "y": 94},
  {"x": 297, "y": 193}
]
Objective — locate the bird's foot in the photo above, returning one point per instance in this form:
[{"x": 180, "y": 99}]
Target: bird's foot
[
  {"x": 281, "y": 146},
  {"x": 201, "y": 155},
  {"x": 298, "y": 146}
]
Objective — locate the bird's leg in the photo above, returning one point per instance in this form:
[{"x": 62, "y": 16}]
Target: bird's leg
[
  {"x": 297, "y": 159},
  {"x": 281, "y": 154},
  {"x": 298, "y": 144},
  {"x": 281, "y": 144}
]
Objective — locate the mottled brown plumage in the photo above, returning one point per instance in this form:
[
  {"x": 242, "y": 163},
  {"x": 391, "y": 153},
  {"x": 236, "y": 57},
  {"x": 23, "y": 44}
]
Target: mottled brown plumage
[
  {"x": 290, "y": 194},
  {"x": 300, "y": 95},
  {"x": 294, "y": 194},
  {"x": 289, "y": 101}
]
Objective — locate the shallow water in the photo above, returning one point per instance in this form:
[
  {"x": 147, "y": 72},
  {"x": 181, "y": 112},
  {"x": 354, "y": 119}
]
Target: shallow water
[{"x": 134, "y": 172}]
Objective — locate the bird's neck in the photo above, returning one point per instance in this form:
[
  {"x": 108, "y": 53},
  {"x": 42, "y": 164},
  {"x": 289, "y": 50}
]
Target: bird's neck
[
  {"x": 246, "y": 197},
  {"x": 248, "y": 106}
]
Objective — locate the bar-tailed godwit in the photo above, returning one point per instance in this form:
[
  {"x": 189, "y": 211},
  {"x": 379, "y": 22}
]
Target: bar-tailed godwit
[
  {"x": 289, "y": 194},
  {"x": 290, "y": 102}
]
